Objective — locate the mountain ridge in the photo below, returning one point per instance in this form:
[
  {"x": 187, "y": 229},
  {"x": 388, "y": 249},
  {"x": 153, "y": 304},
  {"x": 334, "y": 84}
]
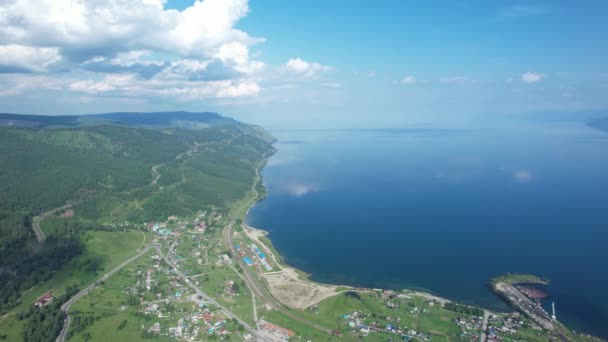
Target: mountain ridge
[{"x": 181, "y": 119}]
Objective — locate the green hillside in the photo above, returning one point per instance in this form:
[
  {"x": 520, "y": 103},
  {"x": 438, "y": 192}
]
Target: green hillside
[
  {"x": 156, "y": 120},
  {"x": 109, "y": 174}
]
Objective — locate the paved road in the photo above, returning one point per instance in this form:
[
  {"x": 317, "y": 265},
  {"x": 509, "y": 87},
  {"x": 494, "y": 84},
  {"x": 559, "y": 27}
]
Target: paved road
[
  {"x": 66, "y": 306},
  {"x": 484, "y": 325},
  {"x": 255, "y": 308},
  {"x": 156, "y": 173},
  {"x": 203, "y": 295},
  {"x": 517, "y": 299},
  {"x": 37, "y": 219}
]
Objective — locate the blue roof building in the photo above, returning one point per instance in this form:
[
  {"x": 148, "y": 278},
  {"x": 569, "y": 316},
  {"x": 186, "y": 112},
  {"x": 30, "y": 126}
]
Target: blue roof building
[{"x": 247, "y": 261}]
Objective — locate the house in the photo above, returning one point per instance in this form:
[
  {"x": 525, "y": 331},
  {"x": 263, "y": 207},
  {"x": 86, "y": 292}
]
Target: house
[
  {"x": 155, "y": 328},
  {"x": 44, "y": 299},
  {"x": 247, "y": 261}
]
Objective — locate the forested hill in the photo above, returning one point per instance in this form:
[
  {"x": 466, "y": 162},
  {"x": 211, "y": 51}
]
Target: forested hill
[
  {"x": 150, "y": 120},
  {"x": 601, "y": 124},
  {"x": 112, "y": 173}
]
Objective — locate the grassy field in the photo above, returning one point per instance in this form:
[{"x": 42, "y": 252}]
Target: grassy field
[
  {"x": 520, "y": 279},
  {"x": 300, "y": 329},
  {"x": 117, "y": 301},
  {"x": 213, "y": 276},
  {"x": 104, "y": 305},
  {"x": 415, "y": 313},
  {"x": 109, "y": 248}
]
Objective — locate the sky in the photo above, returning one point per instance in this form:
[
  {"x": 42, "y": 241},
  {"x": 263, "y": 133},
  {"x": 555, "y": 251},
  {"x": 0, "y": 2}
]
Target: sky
[{"x": 306, "y": 64}]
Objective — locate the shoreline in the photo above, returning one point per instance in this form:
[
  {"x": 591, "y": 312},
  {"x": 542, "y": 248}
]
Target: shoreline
[
  {"x": 561, "y": 330},
  {"x": 303, "y": 278}
]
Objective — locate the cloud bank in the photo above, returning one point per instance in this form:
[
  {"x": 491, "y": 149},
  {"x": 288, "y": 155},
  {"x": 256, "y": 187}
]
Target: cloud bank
[
  {"x": 133, "y": 49},
  {"x": 308, "y": 69},
  {"x": 532, "y": 77}
]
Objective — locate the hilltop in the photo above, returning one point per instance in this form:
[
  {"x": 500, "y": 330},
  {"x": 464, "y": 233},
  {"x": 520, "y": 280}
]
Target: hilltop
[{"x": 179, "y": 119}]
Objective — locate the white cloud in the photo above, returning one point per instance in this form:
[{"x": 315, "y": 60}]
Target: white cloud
[
  {"x": 139, "y": 50},
  {"x": 456, "y": 80},
  {"x": 108, "y": 84},
  {"x": 27, "y": 58},
  {"x": 331, "y": 84},
  {"x": 129, "y": 48},
  {"x": 300, "y": 190},
  {"x": 131, "y": 58},
  {"x": 409, "y": 79},
  {"x": 521, "y": 11},
  {"x": 308, "y": 69},
  {"x": 129, "y": 85},
  {"x": 532, "y": 77},
  {"x": 522, "y": 176},
  {"x": 239, "y": 89},
  {"x": 17, "y": 84},
  {"x": 83, "y": 29}
]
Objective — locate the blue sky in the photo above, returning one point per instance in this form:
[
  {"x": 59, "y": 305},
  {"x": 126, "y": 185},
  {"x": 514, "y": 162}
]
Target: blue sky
[{"x": 307, "y": 63}]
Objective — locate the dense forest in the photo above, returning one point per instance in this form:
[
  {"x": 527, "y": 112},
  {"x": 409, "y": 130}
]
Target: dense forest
[
  {"x": 464, "y": 309},
  {"x": 23, "y": 263},
  {"x": 106, "y": 173},
  {"x": 45, "y": 323}
]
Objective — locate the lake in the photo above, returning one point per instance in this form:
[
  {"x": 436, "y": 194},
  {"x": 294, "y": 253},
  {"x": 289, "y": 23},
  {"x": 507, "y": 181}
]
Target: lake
[{"x": 445, "y": 210}]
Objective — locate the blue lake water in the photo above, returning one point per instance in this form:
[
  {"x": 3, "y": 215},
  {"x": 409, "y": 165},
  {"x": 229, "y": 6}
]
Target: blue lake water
[{"x": 446, "y": 210}]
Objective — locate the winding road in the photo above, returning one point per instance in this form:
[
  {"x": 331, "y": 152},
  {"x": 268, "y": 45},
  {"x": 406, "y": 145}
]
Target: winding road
[
  {"x": 37, "y": 219},
  {"x": 66, "y": 306}
]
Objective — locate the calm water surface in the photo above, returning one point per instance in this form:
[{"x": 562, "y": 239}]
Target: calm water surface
[{"x": 446, "y": 210}]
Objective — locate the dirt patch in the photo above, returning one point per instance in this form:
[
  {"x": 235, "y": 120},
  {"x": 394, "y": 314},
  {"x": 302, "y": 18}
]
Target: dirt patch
[
  {"x": 68, "y": 213},
  {"x": 288, "y": 285},
  {"x": 291, "y": 290},
  {"x": 294, "y": 290}
]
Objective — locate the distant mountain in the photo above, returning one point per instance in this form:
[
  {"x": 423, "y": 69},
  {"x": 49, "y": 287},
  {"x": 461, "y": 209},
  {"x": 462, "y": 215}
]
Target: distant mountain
[
  {"x": 186, "y": 120},
  {"x": 601, "y": 124}
]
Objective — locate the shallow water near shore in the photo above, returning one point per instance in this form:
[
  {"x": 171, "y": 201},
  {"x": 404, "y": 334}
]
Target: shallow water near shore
[{"x": 445, "y": 210}]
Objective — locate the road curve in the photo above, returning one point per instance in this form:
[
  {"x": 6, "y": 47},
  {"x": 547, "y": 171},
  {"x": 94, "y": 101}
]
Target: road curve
[
  {"x": 37, "y": 219},
  {"x": 66, "y": 306}
]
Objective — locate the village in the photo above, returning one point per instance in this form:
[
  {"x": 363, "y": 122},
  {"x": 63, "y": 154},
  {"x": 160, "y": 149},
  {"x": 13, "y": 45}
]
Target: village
[
  {"x": 157, "y": 290},
  {"x": 192, "y": 247}
]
